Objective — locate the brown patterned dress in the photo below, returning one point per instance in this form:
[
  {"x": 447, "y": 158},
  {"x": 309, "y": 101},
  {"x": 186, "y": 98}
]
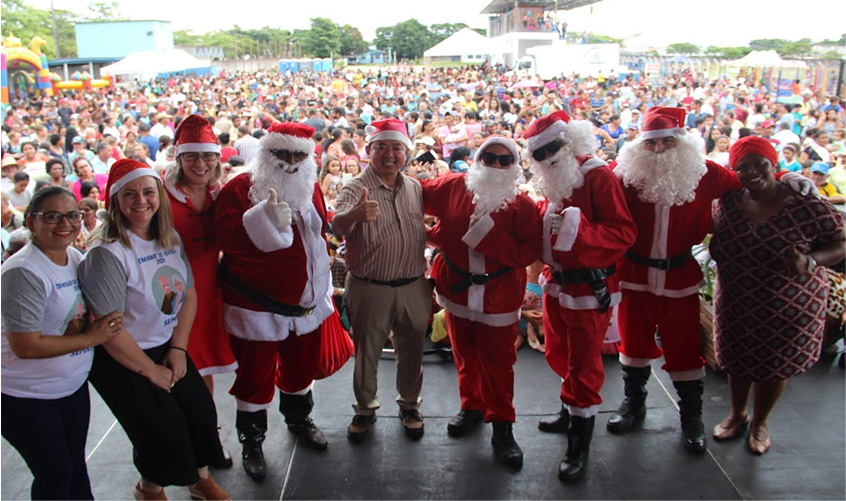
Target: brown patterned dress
[{"x": 768, "y": 325}]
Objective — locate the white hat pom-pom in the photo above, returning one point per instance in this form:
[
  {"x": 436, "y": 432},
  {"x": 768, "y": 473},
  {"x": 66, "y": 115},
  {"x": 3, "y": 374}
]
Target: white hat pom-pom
[{"x": 102, "y": 214}]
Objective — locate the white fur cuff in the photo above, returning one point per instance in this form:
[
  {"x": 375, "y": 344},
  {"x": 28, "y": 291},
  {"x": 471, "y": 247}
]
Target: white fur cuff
[
  {"x": 478, "y": 231},
  {"x": 263, "y": 233},
  {"x": 569, "y": 229}
]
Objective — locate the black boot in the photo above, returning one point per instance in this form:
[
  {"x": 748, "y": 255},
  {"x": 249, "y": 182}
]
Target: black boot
[
  {"x": 463, "y": 422},
  {"x": 558, "y": 424},
  {"x": 578, "y": 447},
  {"x": 505, "y": 446},
  {"x": 690, "y": 411},
  {"x": 252, "y": 427},
  {"x": 297, "y": 410},
  {"x": 633, "y": 408}
]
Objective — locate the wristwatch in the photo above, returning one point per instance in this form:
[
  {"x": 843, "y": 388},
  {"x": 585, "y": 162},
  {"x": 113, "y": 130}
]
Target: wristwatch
[{"x": 812, "y": 264}]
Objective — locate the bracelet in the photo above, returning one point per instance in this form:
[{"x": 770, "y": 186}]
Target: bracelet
[{"x": 183, "y": 350}]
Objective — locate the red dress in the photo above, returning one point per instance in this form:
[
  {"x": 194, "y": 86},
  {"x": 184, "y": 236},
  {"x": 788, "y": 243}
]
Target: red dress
[
  {"x": 209, "y": 344},
  {"x": 769, "y": 325}
]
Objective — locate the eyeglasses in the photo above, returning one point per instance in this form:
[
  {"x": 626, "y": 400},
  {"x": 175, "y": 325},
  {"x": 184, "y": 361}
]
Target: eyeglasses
[
  {"x": 56, "y": 217},
  {"x": 286, "y": 155},
  {"x": 547, "y": 150},
  {"x": 193, "y": 157},
  {"x": 489, "y": 159}
]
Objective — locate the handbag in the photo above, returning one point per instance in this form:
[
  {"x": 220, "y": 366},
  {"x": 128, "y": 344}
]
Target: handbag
[{"x": 336, "y": 346}]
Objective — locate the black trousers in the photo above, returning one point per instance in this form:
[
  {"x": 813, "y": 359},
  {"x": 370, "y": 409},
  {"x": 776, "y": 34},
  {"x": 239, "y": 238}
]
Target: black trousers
[
  {"x": 50, "y": 435},
  {"x": 173, "y": 433}
]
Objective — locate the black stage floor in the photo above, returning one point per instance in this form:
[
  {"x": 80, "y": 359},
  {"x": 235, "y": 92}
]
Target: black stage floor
[{"x": 806, "y": 460}]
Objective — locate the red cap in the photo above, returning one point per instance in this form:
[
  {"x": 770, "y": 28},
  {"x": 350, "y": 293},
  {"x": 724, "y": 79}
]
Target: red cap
[
  {"x": 124, "y": 171},
  {"x": 195, "y": 134},
  {"x": 662, "y": 122},
  {"x": 752, "y": 144},
  {"x": 290, "y": 136},
  {"x": 766, "y": 124},
  {"x": 546, "y": 129},
  {"x": 388, "y": 130}
]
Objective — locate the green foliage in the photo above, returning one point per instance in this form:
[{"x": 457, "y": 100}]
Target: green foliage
[
  {"x": 442, "y": 31},
  {"x": 101, "y": 12},
  {"x": 683, "y": 48},
  {"x": 727, "y": 52},
  {"x": 409, "y": 39},
  {"x": 323, "y": 39},
  {"x": 351, "y": 40},
  {"x": 800, "y": 47},
  {"x": 26, "y": 22}
]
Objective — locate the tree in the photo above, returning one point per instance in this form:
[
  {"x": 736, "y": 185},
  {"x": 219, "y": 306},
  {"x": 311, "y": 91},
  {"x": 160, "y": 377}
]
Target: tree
[
  {"x": 439, "y": 32},
  {"x": 26, "y": 22},
  {"x": 323, "y": 39},
  {"x": 783, "y": 47},
  {"x": 408, "y": 39},
  {"x": 727, "y": 52},
  {"x": 103, "y": 12},
  {"x": 351, "y": 40},
  {"x": 683, "y": 48}
]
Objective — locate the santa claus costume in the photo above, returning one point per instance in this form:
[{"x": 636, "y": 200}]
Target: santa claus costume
[
  {"x": 209, "y": 343},
  {"x": 669, "y": 188},
  {"x": 276, "y": 286},
  {"x": 586, "y": 229},
  {"x": 488, "y": 233}
]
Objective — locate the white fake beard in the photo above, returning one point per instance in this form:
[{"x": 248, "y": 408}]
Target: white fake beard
[
  {"x": 667, "y": 178},
  {"x": 493, "y": 189},
  {"x": 557, "y": 176},
  {"x": 295, "y": 188}
]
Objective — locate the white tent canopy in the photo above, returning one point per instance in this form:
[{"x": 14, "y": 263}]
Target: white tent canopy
[
  {"x": 765, "y": 59},
  {"x": 145, "y": 65},
  {"x": 461, "y": 43}
]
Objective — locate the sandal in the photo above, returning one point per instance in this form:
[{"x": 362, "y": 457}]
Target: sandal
[
  {"x": 207, "y": 488},
  {"x": 759, "y": 446},
  {"x": 142, "y": 494},
  {"x": 732, "y": 430}
]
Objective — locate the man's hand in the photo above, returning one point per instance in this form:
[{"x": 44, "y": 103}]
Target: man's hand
[
  {"x": 555, "y": 223},
  {"x": 279, "y": 212},
  {"x": 366, "y": 210}
]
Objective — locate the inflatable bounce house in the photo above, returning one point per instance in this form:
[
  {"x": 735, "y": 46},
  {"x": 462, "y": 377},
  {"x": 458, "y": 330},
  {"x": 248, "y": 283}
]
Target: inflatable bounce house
[{"x": 23, "y": 72}]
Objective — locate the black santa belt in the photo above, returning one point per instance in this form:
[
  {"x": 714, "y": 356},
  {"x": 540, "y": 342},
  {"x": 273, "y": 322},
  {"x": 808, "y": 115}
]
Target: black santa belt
[
  {"x": 672, "y": 263},
  {"x": 593, "y": 277},
  {"x": 468, "y": 279},
  {"x": 254, "y": 295}
]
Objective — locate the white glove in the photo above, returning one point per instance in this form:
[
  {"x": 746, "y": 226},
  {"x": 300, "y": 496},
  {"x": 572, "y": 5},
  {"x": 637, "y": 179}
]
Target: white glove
[
  {"x": 799, "y": 183},
  {"x": 279, "y": 212},
  {"x": 555, "y": 223}
]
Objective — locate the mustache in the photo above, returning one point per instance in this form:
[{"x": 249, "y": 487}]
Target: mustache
[{"x": 288, "y": 168}]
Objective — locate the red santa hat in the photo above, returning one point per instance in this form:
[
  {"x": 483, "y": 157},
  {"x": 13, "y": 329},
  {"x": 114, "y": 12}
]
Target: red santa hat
[
  {"x": 289, "y": 136},
  {"x": 662, "y": 122},
  {"x": 497, "y": 139},
  {"x": 388, "y": 130},
  {"x": 752, "y": 145},
  {"x": 558, "y": 125},
  {"x": 195, "y": 134},
  {"x": 122, "y": 172}
]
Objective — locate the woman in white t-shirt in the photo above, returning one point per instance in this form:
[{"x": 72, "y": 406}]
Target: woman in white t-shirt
[
  {"x": 47, "y": 349},
  {"x": 145, "y": 374}
]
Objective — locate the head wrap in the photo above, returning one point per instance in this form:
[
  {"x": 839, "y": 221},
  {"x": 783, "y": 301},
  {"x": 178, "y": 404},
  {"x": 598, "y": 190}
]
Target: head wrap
[{"x": 752, "y": 145}]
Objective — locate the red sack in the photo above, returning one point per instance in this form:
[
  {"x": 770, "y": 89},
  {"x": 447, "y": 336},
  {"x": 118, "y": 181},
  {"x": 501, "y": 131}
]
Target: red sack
[{"x": 336, "y": 347}]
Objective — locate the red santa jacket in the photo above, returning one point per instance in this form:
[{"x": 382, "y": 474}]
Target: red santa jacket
[
  {"x": 664, "y": 232},
  {"x": 596, "y": 230},
  {"x": 291, "y": 266},
  {"x": 510, "y": 237}
]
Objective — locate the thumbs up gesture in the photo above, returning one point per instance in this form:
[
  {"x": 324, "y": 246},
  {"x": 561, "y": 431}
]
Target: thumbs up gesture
[
  {"x": 279, "y": 212},
  {"x": 366, "y": 210}
]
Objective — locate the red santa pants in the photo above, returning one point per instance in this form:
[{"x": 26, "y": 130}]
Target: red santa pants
[
  {"x": 574, "y": 351},
  {"x": 292, "y": 364},
  {"x": 485, "y": 357},
  {"x": 677, "y": 322}
]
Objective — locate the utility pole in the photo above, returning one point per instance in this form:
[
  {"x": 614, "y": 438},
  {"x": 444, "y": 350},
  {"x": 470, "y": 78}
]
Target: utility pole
[{"x": 55, "y": 31}]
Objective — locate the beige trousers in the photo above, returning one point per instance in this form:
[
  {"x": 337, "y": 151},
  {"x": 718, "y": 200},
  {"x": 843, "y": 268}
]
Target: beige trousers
[{"x": 375, "y": 311}]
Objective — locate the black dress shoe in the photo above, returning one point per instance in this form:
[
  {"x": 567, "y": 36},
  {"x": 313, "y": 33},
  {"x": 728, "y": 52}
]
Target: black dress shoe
[
  {"x": 506, "y": 448},
  {"x": 463, "y": 422},
  {"x": 560, "y": 423},
  {"x": 310, "y": 434},
  {"x": 253, "y": 459}
]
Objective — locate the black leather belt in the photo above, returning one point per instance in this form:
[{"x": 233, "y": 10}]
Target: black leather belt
[
  {"x": 672, "y": 263},
  {"x": 390, "y": 283},
  {"x": 247, "y": 291},
  {"x": 593, "y": 277},
  {"x": 468, "y": 279}
]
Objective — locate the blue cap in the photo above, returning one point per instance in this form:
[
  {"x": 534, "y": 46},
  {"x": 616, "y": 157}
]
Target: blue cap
[{"x": 821, "y": 167}]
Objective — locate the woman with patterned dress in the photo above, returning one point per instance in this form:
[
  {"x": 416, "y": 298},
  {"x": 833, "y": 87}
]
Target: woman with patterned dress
[{"x": 770, "y": 245}]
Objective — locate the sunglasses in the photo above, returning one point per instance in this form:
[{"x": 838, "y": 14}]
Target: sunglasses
[
  {"x": 296, "y": 156},
  {"x": 547, "y": 150},
  {"x": 56, "y": 217},
  {"x": 490, "y": 159}
]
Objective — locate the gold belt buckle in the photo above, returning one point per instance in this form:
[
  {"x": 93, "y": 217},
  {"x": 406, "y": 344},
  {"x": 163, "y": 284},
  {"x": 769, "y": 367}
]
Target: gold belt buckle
[{"x": 309, "y": 311}]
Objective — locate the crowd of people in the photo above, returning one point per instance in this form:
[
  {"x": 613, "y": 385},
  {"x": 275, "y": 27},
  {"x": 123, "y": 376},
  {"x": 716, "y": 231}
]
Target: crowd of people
[{"x": 564, "y": 211}]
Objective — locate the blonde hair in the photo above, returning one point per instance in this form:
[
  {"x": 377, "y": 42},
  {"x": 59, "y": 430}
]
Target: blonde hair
[{"x": 115, "y": 227}]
